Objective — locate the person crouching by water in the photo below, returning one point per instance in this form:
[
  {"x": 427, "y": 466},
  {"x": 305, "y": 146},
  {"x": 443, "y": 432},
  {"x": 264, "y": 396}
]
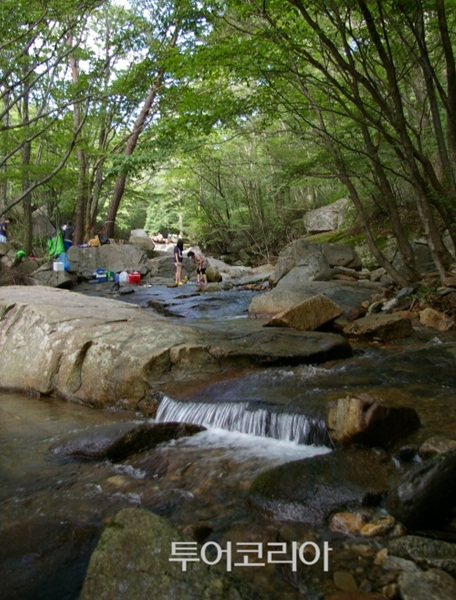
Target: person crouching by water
[
  {"x": 201, "y": 263},
  {"x": 178, "y": 258}
]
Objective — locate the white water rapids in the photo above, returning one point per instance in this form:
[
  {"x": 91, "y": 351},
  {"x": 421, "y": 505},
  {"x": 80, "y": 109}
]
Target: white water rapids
[{"x": 243, "y": 418}]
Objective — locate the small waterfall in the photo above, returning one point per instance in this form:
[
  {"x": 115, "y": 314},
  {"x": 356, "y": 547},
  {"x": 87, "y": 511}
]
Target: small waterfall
[{"x": 241, "y": 417}]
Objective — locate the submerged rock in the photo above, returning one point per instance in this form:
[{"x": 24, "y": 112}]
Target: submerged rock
[
  {"x": 425, "y": 552},
  {"x": 116, "y": 446},
  {"x": 423, "y": 586}
]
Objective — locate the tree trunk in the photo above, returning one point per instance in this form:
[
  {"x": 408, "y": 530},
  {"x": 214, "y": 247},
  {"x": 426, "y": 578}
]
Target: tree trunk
[
  {"x": 81, "y": 191},
  {"x": 26, "y": 156},
  {"x": 132, "y": 142}
]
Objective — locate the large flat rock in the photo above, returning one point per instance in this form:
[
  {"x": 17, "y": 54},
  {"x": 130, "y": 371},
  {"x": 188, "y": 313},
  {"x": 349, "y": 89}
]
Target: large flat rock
[
  {"x": 105, "y": 352},
  {"x": 291, "y": 291}
]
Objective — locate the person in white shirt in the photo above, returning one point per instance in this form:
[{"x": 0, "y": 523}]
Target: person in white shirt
[{"x": 202, "y": 263}]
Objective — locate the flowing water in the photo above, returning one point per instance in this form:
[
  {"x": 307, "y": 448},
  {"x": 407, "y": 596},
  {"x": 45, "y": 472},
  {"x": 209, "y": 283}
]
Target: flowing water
[{"x": 53, "y": 507}]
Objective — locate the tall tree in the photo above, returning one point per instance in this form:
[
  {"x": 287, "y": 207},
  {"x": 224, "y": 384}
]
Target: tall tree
[
  {"x": 175, "y": 29},
  {"x": 367, "y": 81}
]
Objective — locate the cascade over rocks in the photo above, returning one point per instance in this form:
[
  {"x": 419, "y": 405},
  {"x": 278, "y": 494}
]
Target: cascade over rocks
[{"x": 105, "y": 353}]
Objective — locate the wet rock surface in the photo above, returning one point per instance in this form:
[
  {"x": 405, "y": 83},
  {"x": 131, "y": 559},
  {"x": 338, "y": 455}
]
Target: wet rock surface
[
  {"x": 426, "y": 493},
  {"x": 61, "y": 554},
  {"x": 122, "y": 441},
  {"x": 431, "y": 584},
  {"x": 425, "y": 552},
  {"x": 309, "y": 491},
  {"x": 358, "y": 569}
]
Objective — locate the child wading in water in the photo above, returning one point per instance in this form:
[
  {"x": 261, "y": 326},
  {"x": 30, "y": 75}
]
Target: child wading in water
[{"x": 201, "y": 263}]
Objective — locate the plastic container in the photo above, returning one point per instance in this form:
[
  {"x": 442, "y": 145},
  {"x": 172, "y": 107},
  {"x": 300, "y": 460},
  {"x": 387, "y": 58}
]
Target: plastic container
[
  {"x": 134, "y": 277},
  {"x": 58, "y": 266},
  {"x": 101, "y": 276},
  {"x": 123, "y": 277}
]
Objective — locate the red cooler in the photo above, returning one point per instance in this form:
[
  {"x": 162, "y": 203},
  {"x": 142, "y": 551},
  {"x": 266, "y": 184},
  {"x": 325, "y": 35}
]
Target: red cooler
[{"x": 134, "y": 277}]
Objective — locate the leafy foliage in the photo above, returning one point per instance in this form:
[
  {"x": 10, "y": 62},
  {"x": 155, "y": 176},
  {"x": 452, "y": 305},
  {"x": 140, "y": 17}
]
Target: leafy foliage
[{"x": 227, "y": 121}]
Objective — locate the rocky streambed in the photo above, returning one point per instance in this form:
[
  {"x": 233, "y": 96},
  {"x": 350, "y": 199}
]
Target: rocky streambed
[{"x": 382, "y": 499}]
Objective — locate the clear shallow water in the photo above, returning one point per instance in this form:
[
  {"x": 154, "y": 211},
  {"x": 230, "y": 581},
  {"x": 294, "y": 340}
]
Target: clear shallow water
[{"x": 49, "y": 502}]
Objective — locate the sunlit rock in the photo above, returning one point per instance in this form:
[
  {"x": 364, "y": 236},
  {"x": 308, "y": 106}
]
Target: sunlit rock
[
  {"x": 382, "y": 327},
  {"x": 365, "y": 419},
  {"x": 308, "y": 315},
  {"x": 107, "y": 353},
  {"x": 434, "y": 319}
]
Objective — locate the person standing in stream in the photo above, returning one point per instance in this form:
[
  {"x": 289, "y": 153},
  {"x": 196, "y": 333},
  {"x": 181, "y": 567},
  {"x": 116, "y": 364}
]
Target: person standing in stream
[
  {"x": 201, "y": 263},
  {"x": 178, "y": 259}
]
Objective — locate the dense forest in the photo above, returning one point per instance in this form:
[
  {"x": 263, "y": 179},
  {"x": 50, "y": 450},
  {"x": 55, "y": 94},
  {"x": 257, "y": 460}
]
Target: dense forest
[{"x": 225, "y": 121}]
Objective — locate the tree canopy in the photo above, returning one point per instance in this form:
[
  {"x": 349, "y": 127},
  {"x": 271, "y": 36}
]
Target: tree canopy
[{"x": 227, "y": 121}]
